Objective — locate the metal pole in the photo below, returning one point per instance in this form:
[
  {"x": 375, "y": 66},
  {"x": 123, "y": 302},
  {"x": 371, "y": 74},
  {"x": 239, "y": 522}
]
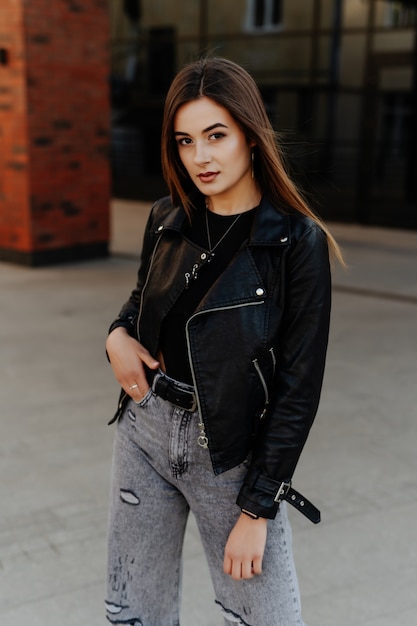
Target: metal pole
[
  {"x": 411, "y": 173},
  {"x": 367, "y": 125},
  {"x": 333, "y": 87},
  {"x": 314, "y": 54}
]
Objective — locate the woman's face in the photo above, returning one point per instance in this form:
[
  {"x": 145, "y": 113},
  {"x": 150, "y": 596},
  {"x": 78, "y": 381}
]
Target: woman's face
[{"x": 214, "y": 150}]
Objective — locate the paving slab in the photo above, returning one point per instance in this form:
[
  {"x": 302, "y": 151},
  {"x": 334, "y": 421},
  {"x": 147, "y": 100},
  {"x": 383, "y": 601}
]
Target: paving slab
[{"x": 359, "y": 566}]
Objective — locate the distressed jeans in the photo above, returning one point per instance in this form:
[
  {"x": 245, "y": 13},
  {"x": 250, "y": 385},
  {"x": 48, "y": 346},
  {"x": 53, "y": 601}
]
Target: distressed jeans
[{"x": 160, "y": 473}]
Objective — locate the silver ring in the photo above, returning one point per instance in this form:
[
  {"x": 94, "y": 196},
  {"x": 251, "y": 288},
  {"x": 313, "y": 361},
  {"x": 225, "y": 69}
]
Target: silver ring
[{"x": 133, "y": 386}]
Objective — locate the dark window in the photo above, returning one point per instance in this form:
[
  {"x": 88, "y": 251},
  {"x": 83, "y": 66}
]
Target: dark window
[
  {"x": 259, "y": 13},
  {"x": 276, "y": 17},
  {"x": 400, "y": 13},
  {"x": 265, "y": 14}
]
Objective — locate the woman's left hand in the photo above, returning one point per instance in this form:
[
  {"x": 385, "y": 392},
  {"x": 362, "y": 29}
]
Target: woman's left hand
[{"x": 245, "y": 547}]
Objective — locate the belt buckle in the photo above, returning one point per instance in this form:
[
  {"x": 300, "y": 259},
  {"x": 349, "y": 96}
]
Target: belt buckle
[
  {"x": 192, "y": 398},
  {"x": 282, "y": 491},
  {"x": 194, "y": 404}
]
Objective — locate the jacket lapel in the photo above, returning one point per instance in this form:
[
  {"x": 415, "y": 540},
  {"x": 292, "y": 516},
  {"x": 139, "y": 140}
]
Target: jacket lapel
[{"x": 240, "y": 283}]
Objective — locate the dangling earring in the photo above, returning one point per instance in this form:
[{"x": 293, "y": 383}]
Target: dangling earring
[{"x": 252, "y": 153}]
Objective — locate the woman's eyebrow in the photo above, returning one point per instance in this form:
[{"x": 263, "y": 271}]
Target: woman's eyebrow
[
  {"x": 206, "y": 130},
  {"x": 213, "y": 126}
]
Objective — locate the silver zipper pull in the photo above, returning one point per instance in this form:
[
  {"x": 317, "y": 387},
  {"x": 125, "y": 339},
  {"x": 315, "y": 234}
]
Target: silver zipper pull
[
  {"x": 202, "y": 438},
  {"x": 193, "y": 275},
  {"x": 194, "y": 271}
]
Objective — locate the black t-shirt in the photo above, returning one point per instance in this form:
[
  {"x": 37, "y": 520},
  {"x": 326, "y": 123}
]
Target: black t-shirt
[{"x": 173, "y": 342}]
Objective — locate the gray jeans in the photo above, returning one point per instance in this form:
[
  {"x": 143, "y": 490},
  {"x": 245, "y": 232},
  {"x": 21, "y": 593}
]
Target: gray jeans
[{"x": 159, "y": 474}]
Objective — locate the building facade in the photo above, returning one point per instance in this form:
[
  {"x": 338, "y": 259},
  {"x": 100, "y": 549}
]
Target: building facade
[
  {"x": 54, "y": 131},
  {"x": 339, "y": 78}
]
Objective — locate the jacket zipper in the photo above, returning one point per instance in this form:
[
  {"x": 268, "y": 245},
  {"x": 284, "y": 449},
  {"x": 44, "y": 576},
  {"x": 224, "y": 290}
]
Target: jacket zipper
[
  {"x": 263, "y": 381},
  {"x": 124, "y": 395},
  {"x": 224, "y": 308},
  {"x": 274, "y": 360},
  {"x": 146, "y": 284},
  {"x": 264, "y": 385}
]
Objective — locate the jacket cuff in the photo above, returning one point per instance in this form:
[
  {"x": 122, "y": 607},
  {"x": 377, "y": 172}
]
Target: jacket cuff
[
  {"x": 127, "y": 321},
  {"x": 258, "y": 494}
]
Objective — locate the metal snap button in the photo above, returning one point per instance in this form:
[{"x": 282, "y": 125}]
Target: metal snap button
[
  {"x": 260, "y": 291},
  {"x": 203, "y": 256},
  {"x": 283, "y": 239}
]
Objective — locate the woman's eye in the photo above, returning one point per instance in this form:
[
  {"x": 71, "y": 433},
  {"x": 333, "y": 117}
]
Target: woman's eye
[
  {"x": 216, "y": 136},
  {"x": 184, "y": 141}
]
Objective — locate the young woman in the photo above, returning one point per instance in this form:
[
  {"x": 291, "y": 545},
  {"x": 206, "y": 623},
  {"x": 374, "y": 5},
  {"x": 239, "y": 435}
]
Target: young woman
[{"x": 220, "y": 354}]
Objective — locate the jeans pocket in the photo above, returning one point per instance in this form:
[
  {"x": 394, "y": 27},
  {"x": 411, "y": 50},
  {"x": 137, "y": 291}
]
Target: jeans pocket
[{"x": 144, "y": 401}]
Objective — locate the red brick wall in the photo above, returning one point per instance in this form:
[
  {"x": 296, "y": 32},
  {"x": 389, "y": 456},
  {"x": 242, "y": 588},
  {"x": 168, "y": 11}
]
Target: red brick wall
[{"x": 54, "y": 130}]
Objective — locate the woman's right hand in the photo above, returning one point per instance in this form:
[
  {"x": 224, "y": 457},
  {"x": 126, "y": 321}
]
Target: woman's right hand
[{"x": 127, "y": 357}]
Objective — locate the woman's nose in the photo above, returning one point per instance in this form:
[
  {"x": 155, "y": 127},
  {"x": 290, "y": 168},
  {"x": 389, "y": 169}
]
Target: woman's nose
[{"x": 202, "y": 154}]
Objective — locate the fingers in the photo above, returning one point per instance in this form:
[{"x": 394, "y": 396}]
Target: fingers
[
  {"x": 245, "y": 548},
  {"x": 137, "y": 393},
  {"x": 227, "y": 565},
  {"x": 147, "y": 358},
  {"x": 128, "y": 357},
  {"x": 139, "y": 387},
  {"x": 135, "y": 383},
  {"x": 246, "y": 570},
  {"x": 257, "y": 566},
  {"x": 243, "y": 571},
  {"x": 240, "y": 570}
]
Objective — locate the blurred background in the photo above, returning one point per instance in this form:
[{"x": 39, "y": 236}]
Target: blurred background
[{"x": 339, "y": 78}]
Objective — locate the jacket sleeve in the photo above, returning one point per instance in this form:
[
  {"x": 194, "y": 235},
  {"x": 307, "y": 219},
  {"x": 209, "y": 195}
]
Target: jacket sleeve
[
  {"x": 128, "y": 315},
  {"x": 301, "y": 352}
]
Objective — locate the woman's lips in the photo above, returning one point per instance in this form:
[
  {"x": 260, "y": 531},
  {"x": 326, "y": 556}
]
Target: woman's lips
[{"x": 207, "y": 177}]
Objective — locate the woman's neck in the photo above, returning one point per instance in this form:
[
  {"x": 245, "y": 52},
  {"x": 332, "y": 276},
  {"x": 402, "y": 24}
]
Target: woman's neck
[{"x": 223, "y": 205}]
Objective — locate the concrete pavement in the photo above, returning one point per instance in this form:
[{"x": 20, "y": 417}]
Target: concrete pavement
[{"x": 357, "y": 568}]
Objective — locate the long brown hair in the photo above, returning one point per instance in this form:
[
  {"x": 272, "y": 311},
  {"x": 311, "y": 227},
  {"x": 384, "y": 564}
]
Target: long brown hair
[{"x": 230, "y": 86}]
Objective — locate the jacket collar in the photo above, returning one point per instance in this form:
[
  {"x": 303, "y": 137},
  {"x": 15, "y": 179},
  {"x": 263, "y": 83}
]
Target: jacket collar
[
  {"x": 175, "y": 219},
  {"x": 271, "y": 226}
]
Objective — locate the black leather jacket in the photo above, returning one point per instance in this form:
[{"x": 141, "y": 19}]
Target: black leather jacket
[{"x": 257, "y": 342}]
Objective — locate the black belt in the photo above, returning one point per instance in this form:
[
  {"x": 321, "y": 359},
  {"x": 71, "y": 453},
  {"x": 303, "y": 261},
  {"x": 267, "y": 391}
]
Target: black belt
[{"x": 169, "y": 389}]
